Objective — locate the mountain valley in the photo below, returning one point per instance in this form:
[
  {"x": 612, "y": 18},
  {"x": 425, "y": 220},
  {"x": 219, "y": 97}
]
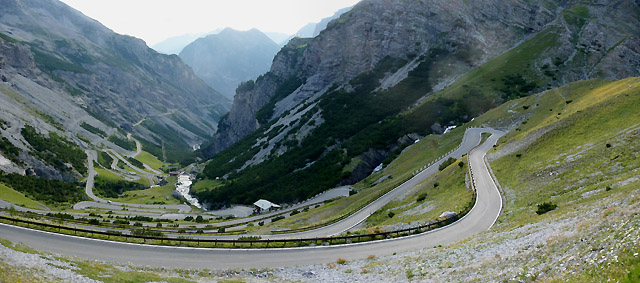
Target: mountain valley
[{"x": 409, "y": 141}]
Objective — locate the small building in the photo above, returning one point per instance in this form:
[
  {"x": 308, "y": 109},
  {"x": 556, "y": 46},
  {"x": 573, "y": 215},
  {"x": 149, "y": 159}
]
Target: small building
[{"x": 264, "y": 205}]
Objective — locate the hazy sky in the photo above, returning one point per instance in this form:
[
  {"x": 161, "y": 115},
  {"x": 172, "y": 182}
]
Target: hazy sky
[{"x": 156, "y": 20}]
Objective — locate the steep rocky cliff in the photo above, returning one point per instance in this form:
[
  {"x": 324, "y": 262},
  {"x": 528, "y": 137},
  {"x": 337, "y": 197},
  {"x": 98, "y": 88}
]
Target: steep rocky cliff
[
  {"x": 65, "y": 73},
  {"x": 225, "y": 59},
  {"x": 442, "y": 61}
]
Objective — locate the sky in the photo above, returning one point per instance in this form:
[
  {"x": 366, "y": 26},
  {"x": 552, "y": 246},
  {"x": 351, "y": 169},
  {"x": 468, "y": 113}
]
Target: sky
[{"x": 156, "y": 20}]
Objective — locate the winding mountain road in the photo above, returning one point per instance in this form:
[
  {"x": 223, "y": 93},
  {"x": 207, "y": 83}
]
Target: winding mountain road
[{"x": 481, "y": 217}]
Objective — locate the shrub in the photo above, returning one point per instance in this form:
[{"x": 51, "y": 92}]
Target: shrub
[
  {"x": 421, "y": 197},
  {"x": 221, "y": 230},
  {"x": 123, "y": 142},
  {"x": 391, "y": 214},
  {"x": 545, "y": 207},
  {"x": 341, "y": 261},
  {"x": 188, "y": 218},
  {"x": 446, "y": 163},
  {"x": 461, "y": 164},
  {"x": 200, "y": 219},
  {"x": 277, "y": 218},
  {"x": 436, "y": 184}
]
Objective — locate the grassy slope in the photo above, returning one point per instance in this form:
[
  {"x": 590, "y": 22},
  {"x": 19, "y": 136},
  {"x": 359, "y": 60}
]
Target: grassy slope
[
  {"x": 148, "y": 196},
  {"x": 451, "y": 194},
  {"x": 428, "y": 149},
  {"x": 150, "y": 160},
  {"x": 573, "y": 166},
  {"x": 152, "y": 195},
  {"x": 559, "y": 167},
  {"x": 17, "y": 198}
]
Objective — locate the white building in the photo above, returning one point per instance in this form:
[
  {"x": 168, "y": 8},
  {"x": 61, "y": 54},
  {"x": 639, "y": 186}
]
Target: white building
[{"x": 264, "y": 205}]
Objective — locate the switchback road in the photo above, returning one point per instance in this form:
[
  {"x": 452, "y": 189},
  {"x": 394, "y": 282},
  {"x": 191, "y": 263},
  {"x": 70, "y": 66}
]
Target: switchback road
[{"x": 481, "y": 217}]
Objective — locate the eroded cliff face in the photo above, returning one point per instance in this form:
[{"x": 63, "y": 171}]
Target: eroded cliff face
[
  {"x": 594, "y": 40},
  {"x": 63, "y": 73},
  {"x": 373, "y": 30},
  {"x": 116, "y": 78}
]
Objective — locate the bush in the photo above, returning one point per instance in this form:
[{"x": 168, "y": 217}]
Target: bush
[
  {"x": 135, "y": 162},
  {"x": 461, "y": 164},
  {"x": 422, "y": 197},
  {"x": 277, "y": 218},
  {"x": 446, "y": 163},
  {"x": 200, "y": 219},
  {"x": 545, "y": 207},
  {"x": 391, "y": 214},
  {"x": 123, "y": 143},
  {"x": 93, "y": 130},
  {"x": 120, "y": 222},
  {"x": 221, "y": 230}
]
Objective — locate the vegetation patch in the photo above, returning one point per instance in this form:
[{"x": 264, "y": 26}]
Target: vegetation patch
[
  {"x": 123, "y": 142},
  {"x": 94, "y": 130},
  {"x": 10, "y": 151},
  {"x": 44, "y": 190},
  {"x": 17, "y": 198},
  {"x": 113, "y": 189},
  {"x": 545, "y": 207},
  {"x": 55, "y": 150}
]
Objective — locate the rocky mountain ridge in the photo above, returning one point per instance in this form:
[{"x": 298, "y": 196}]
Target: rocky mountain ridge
[
  {"x": 475, "y": 54},
  {"x": 65, "y": 73},
  {"x": 225, "y": 59}
]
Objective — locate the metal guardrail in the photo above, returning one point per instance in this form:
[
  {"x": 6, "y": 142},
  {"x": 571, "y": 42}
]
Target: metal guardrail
[
  {"x": 299, "y": 242},
  {"x": 335, "y": 220}
]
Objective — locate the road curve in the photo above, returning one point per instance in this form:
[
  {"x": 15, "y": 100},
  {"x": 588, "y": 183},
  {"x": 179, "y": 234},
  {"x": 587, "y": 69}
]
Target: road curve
[
  {"x": 481, "y": 217},
  {"x": 471, "y": 139}
]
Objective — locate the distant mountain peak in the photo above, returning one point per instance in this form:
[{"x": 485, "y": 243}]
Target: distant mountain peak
[{"x": 226, "y": 59}]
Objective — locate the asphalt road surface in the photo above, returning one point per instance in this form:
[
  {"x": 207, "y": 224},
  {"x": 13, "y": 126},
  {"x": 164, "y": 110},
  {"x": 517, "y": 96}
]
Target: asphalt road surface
[{"x": 481, "y": 217}]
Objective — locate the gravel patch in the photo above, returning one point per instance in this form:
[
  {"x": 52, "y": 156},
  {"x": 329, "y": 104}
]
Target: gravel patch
[{"x": 46, "y": 268}]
